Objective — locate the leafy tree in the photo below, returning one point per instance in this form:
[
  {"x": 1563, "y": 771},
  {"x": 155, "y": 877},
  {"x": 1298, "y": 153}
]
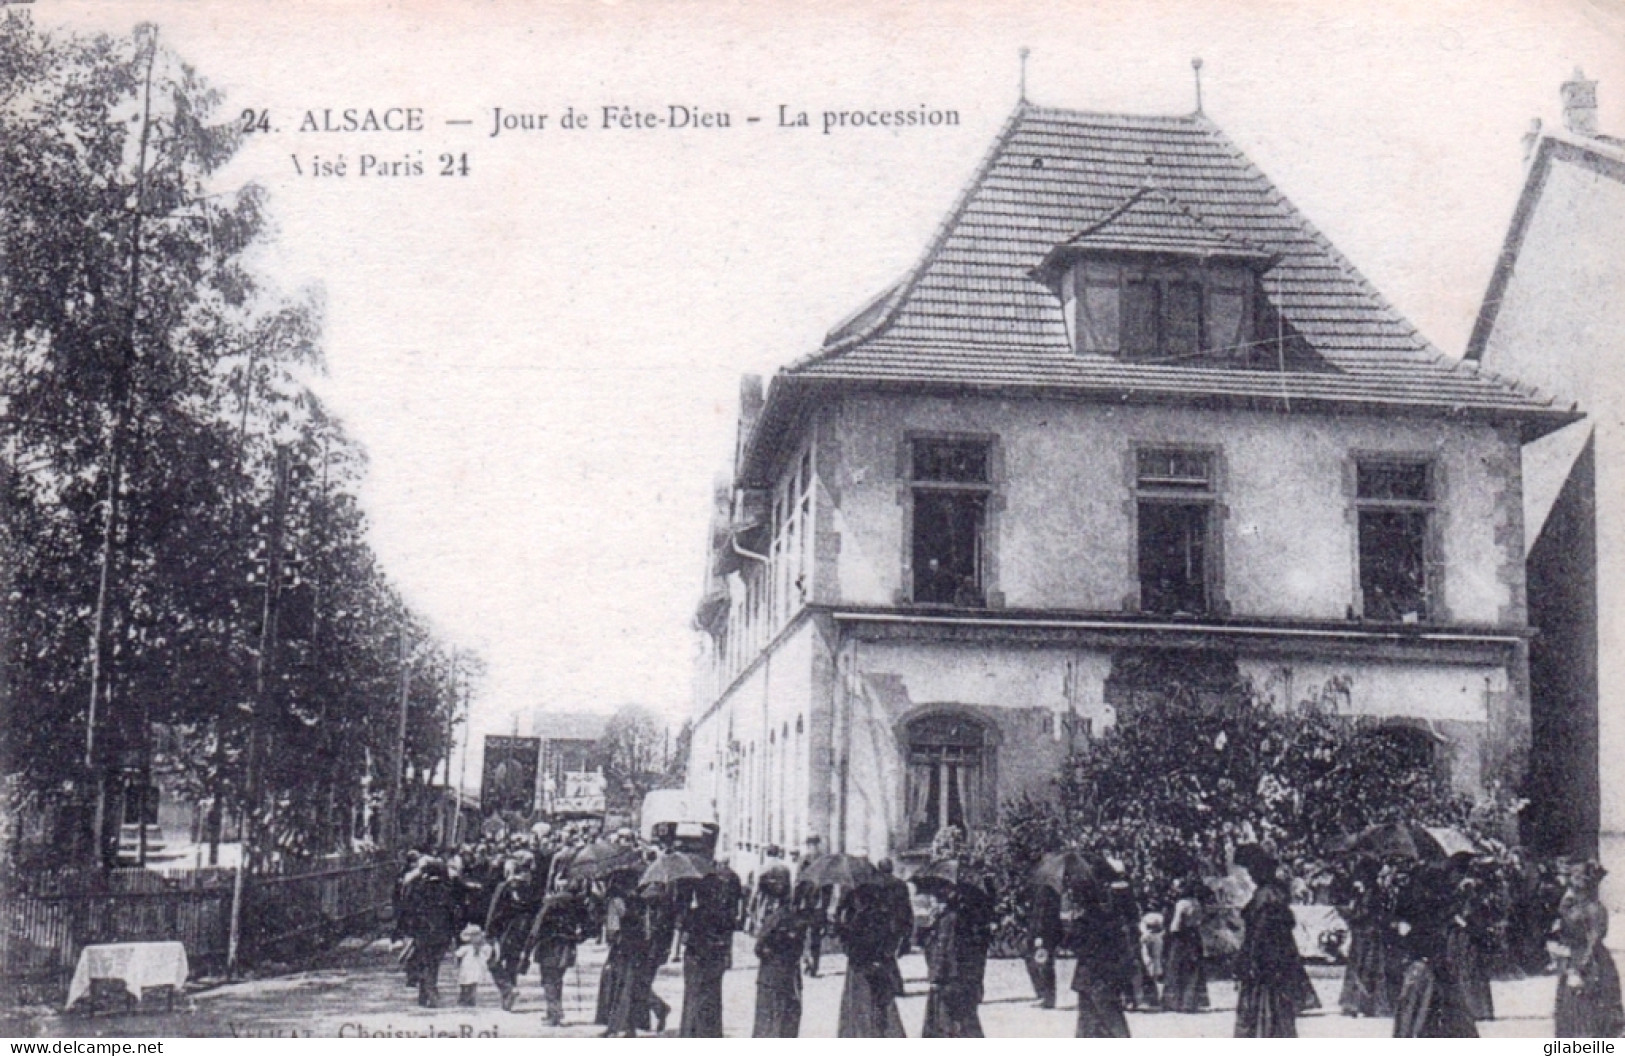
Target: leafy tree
[
  {"x": 633, "y": 747},
  {"x": 181, "y": 529}
]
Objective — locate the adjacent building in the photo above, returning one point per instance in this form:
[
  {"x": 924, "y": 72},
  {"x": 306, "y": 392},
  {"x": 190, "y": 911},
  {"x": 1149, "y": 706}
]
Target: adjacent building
[
  {"x": 1555, "y": 314},
  {"x": 1131, "y": 418},
  {"x": 570, "y": 779}
]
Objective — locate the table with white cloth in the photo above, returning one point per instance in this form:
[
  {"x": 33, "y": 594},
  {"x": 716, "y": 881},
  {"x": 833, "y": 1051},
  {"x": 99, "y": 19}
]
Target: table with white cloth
[{"x": 140, "y": 966}]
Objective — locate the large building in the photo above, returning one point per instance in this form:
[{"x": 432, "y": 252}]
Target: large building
[
  {"x": 1130, "y": 418},
  {"x": 1555, "y": 314}
]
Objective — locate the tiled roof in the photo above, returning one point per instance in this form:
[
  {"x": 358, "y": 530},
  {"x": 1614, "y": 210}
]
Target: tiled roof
[
  {"x": 1149, "y": 221},
  {"x": 974, "y": 312},
  {"x": 567, "y": 725}
]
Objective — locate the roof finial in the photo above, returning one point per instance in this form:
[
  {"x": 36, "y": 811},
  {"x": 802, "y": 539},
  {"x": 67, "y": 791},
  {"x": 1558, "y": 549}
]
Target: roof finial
[
  {"x": 1196, "y": 67},
  {"x": 1025, "y": 51}
]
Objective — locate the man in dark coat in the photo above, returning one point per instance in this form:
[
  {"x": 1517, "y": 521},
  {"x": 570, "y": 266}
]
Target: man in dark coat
[
  {"x": 563, "y": 923},
  {"x": 1043, "y": 942},
  {"x": 431, "y": 912},
  {"x": 508, "y": 921},
  {"x": 708, "y": 929},
  {"x": 817, "y": 908},
  {"x": 781, "y": 933}
]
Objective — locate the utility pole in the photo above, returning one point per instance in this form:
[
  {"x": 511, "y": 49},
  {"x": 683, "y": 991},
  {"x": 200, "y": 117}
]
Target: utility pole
[
  {"x": 262, "y": 703},
  {"x": 399, "y": 774},
  {"x": 462, "y": 774},
  {"x": 122, "y": 397},
  {"x": 217, "y": 806}
]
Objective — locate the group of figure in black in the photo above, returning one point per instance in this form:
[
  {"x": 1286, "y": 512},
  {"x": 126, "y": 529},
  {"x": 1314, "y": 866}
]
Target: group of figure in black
[
  {"x": 1425, "y": 937},
  {"x": 1414, "y": 950}
]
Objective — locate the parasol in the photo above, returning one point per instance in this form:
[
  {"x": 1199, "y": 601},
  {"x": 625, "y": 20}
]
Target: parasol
[
  {"x": 602, "y": 858},
  {"x": 947, "y": 873},
  {"x": 840, "y": 870},
  {"x": 1066, "y": 870},
  {"x": 1405, "y": 840},
  {"x": 678, "y": 865}
]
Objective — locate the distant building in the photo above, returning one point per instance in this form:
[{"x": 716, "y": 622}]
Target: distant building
[
  {"x": 1130, "y": 418},
  {"x": 571, "y": 780},
  {"x": 1554, "y": 315}
]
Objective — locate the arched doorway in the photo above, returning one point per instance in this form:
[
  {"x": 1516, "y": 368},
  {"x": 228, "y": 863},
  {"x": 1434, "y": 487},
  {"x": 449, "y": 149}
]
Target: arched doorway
[{"x": 948, "y": 778}]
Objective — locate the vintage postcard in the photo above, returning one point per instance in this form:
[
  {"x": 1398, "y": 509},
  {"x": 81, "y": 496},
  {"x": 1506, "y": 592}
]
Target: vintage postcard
[{"x": 844, "y": 519}]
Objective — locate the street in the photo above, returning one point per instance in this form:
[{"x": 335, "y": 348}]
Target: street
[{"x": 362, "y": 992}]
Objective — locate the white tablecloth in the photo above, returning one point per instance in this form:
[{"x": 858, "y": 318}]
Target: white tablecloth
[{"x": 139, "y": 965}]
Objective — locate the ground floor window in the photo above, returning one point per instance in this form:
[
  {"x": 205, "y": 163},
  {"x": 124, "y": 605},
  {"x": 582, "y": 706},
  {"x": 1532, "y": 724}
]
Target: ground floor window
[{"x": 946, "y": 768}]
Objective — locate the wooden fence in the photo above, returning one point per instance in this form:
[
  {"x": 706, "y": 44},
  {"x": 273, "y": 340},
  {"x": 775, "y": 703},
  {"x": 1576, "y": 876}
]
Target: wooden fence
[{"x": 287, "y": 913}]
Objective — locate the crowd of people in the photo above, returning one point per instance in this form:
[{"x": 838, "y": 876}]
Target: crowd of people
[{"x": 1422, "y": 937}]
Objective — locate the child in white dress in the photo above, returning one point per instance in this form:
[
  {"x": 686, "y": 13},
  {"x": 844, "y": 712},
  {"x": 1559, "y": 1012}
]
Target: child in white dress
[{"x": 473, "y": 963}]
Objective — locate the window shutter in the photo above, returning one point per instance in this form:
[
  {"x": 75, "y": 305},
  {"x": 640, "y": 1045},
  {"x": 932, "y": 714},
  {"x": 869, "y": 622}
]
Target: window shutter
[
  {"x": 1101, "y": 319},
  {"x": 1140, "y": 310},
  {"x": 1184, "y": 318},
  {"x": 1226, "y": 310}
]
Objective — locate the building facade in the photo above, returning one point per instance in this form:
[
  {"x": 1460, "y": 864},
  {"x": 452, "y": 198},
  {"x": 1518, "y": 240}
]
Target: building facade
[
  {"x": 1130, "y": 419},
  {"x": 1553, "y": 314}
]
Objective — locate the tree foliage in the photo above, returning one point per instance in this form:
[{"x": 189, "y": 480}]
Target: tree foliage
[
  {"x": 1182, "y": 779},
  {"x": 633, "y": 747},
  {"x": 160, "y": 437}
]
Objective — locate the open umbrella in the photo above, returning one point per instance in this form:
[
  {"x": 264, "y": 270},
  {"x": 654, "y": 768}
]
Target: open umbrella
[
  {"x": 1405, "y": 840},
  {"x": 840, "y": 870},
  {"x": 678, "y": 865},
  {"x": 1066, "y": 870},
  {"x": 947, "y": 873},
  {"x": 601, "y": 859}
]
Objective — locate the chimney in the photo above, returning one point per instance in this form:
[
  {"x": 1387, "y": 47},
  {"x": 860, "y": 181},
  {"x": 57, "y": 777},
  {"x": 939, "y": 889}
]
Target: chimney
[
  {"x": 1580, "y": 104},
  {"x": 750, "y": 408},
  {"x": 1530, "y": 139}
]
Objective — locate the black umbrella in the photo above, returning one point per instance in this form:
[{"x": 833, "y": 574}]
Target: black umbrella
[
  {"x": 947, "y": 874},
  {"x": 840, "y": 870},
  {"x": 678, "y": 865},
  {"x": 1067, "y": 870},
  {"x": 602, "y": 858},
  {"x": 1405, "y": 840}
]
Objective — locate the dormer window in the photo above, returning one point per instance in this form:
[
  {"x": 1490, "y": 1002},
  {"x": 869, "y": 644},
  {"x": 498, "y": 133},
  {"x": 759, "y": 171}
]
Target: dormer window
[
  {"x": 1151, "y": 280},
  {"x": 1158, "y": 311}
]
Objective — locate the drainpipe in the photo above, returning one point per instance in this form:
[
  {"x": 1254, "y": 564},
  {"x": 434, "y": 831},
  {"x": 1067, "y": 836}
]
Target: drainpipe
[
  {"x": 844, "y": 759},
  {"x": 733, "y": 541}
]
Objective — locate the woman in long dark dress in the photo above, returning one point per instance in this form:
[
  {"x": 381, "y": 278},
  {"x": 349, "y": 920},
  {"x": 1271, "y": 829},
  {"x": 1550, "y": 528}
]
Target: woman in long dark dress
[
  {"x": 1470, "y": 928},
  {"x": 621, "y": 937},
  {"x": 781, "y": 933},
  {"x": 645, "y": 936},
  {"x": 1100, "y": 978},
  {"x": 1043, "y": 942},
  {"x": 952, "y": 967},
  {"x": 1588, "y": 998},
  {"x": 869, "y": 995},
  {"x": 1184, "y": 977},
  {"x": 1367, "y": 990},
  {"x": 1268, "y": 966},
  {"x": 708, "y": 928},
  {"x": 1431, "y": 1003}
]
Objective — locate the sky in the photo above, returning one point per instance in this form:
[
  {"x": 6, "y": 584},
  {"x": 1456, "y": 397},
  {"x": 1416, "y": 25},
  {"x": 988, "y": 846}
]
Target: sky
[{"x": 542, "y": 357}]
